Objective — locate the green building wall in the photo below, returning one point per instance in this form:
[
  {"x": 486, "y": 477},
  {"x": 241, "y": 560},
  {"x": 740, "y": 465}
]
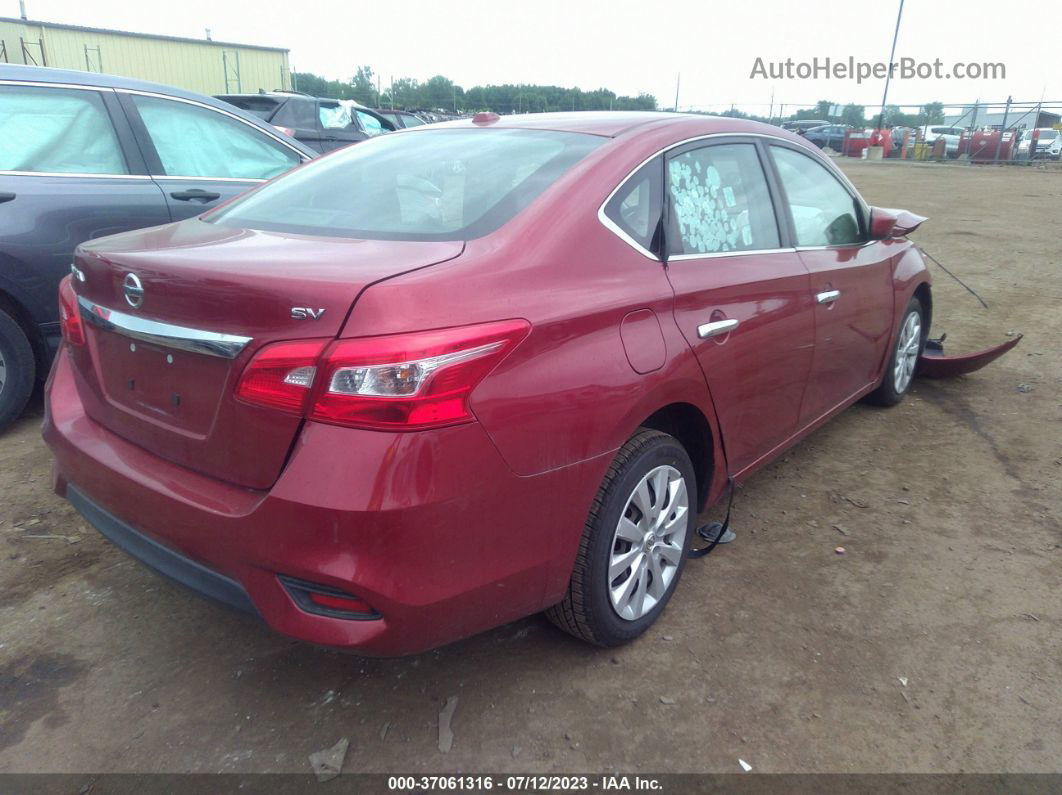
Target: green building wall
[{"x": 209, "y": 67}]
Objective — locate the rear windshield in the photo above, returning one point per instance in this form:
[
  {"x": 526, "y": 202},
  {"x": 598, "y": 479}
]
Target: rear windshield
[
  {"x": 1046, "y": 134},
  {"x": 262, "y": 107},
  {"x": 430, "y": 185}
]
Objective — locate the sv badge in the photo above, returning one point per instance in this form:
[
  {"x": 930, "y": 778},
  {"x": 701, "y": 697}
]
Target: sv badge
[{"x": 306, "y": 313}]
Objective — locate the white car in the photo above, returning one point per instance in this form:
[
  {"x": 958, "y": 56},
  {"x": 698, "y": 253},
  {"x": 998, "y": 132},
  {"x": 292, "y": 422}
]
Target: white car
[
  {"x": 950, "y": 135},
  {"x": 1048, "y": 143}
]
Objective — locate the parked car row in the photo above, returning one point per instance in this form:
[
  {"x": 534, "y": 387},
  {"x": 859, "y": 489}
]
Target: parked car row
[
  {"x": 1048, "y": 140},
  {"x": 321, "y": 124}
]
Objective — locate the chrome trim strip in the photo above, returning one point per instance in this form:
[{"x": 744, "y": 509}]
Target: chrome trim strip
[
  {"x": 233, "y": 116},
  {"x": 611, "y": 226},
  {"x": 717, "y": 327},
  {"x": 828, "y": 297},
  {"x": 838, "y": 246},
  {"x": 71, "y": 174},
  {"x": 42, "y": 84},
  {"x": 742, "y": 253},
  {"x": 211, "y": 343},
  {"x": 163, "y": 177}
]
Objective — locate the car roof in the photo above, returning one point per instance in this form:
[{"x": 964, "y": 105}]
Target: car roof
[
  {"x": 47, "y": 74},
  {"x": 612, "y": 124}
]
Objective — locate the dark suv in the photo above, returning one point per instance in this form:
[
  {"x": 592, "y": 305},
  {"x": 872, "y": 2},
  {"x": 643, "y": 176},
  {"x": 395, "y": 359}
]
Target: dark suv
[
  {"x": 85, "y": 155},
  {"x": 321, "y": 124}
]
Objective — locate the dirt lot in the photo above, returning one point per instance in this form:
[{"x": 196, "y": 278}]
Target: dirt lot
[{"x": 932, "y": 645}]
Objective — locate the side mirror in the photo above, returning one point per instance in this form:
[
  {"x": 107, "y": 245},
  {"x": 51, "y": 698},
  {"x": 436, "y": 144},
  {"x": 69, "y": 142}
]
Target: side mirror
[{"x": 882, "y": 224}]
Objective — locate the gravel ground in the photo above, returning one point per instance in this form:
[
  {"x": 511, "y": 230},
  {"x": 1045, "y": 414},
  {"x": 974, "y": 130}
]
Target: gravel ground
[{"x": 932, "y": 645}]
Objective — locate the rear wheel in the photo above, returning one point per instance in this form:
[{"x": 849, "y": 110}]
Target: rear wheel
[
  {"x": 634, "y": 543},
  {"x": 17, "y": 369},
  {"x": 900, "y": 371}
]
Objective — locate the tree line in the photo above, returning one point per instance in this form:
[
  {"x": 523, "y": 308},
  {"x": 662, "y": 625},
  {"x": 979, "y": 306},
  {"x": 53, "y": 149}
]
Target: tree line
[
  {"x": 439, "y": 93},
  {"x": 442, "y": 94}
]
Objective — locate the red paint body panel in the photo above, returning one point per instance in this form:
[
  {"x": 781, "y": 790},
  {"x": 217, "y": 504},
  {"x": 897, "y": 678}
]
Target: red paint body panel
[
  {"x": 852, "y": 334},
  {"x": 761, "y": 368},
  {"x": 449, "y": 531},
  {"x": 933, "y": 364}
]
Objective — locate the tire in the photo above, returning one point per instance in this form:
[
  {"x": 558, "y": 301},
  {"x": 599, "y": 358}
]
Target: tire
[
  {"x": 588, "y": 610},
  {"x": 17, "y": 370},
  {"x": 893, "y": 387}
]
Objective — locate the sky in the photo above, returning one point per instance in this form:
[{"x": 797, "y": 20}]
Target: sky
[{"x": 628, "y": 47}]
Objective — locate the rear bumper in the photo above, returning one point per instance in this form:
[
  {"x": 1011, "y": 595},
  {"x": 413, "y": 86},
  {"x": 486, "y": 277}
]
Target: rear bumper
[
  {"x": 163, "y": 560},
  {"x": 432, "y": 529}
]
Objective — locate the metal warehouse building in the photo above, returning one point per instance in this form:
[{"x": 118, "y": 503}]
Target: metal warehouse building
[{"x": 209, "y": 67}]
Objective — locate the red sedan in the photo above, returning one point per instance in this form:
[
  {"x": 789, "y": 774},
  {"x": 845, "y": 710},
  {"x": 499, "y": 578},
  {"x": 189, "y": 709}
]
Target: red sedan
[{"x": 461, "y": 374}]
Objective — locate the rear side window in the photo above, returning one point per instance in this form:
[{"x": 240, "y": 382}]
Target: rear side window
[
  {"x": 635, "y": 208},
  {"x": 57, "y": 130},
  {"x": 193, "y": 141},
  {"x": 719, "y": 201},
  {"x": 435, "y": 185},
  {"x": 262, "y": 107},
  {"x": 412, "y": 121},
  {"x": 371, "y": 124},
  {"x": 334, "y": 116},
  {"x": 824, "y": 212}
]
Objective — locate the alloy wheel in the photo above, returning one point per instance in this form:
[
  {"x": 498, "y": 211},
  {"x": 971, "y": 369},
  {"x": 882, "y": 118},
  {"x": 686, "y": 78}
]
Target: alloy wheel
[
  {"x": 3, "y": 371},
  {"x": 907, "y": 348},
  {"x": 648, "y": 543}
]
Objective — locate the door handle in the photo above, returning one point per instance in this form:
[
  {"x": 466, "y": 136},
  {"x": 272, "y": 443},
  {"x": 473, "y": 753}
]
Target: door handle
[
  {"x": 6, "y": 197},
  {"x": 828, "y": 297},
  {"x": 195, "y": 195},
  {"x": 716, "y": 328}
]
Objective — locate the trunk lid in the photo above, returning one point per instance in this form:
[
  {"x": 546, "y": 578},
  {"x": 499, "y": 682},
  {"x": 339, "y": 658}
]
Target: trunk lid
[{"x": 174, "y": 313}]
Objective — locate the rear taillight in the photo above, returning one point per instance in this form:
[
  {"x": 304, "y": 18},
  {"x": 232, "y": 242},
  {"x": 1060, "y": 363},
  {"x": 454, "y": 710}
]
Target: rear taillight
[
  {"x": 398, "y": 382},
  {"x": 410, "y": 381},
  {"x": 281, "y": 375},
  {"x": 69, "y": 317}
]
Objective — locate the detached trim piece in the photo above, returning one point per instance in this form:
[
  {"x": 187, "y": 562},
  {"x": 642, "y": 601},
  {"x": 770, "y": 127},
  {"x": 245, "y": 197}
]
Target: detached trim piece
[
  {"x": 211, "y": 343},
  {"x": 163, "y": 560},
  {"x": 934, "y": 364}
]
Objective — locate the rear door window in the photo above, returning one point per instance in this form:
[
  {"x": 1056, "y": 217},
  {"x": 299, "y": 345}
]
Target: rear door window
[
  {"x": 194, "y": 141},
  {"x": 719, "y": 201},
  {"x": 824, "y": 212},
  {"x": 57, "y": 130}
]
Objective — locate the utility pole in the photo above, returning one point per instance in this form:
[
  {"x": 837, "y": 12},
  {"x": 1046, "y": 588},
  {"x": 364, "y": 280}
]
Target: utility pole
[
  {"x": 888, "y": 75},
  {"x": 770, "y": 113},
  {"x": 392, "y": 92},
  {"x": 678, "y": 82},
  {"x": 1002, "y": 129}
]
